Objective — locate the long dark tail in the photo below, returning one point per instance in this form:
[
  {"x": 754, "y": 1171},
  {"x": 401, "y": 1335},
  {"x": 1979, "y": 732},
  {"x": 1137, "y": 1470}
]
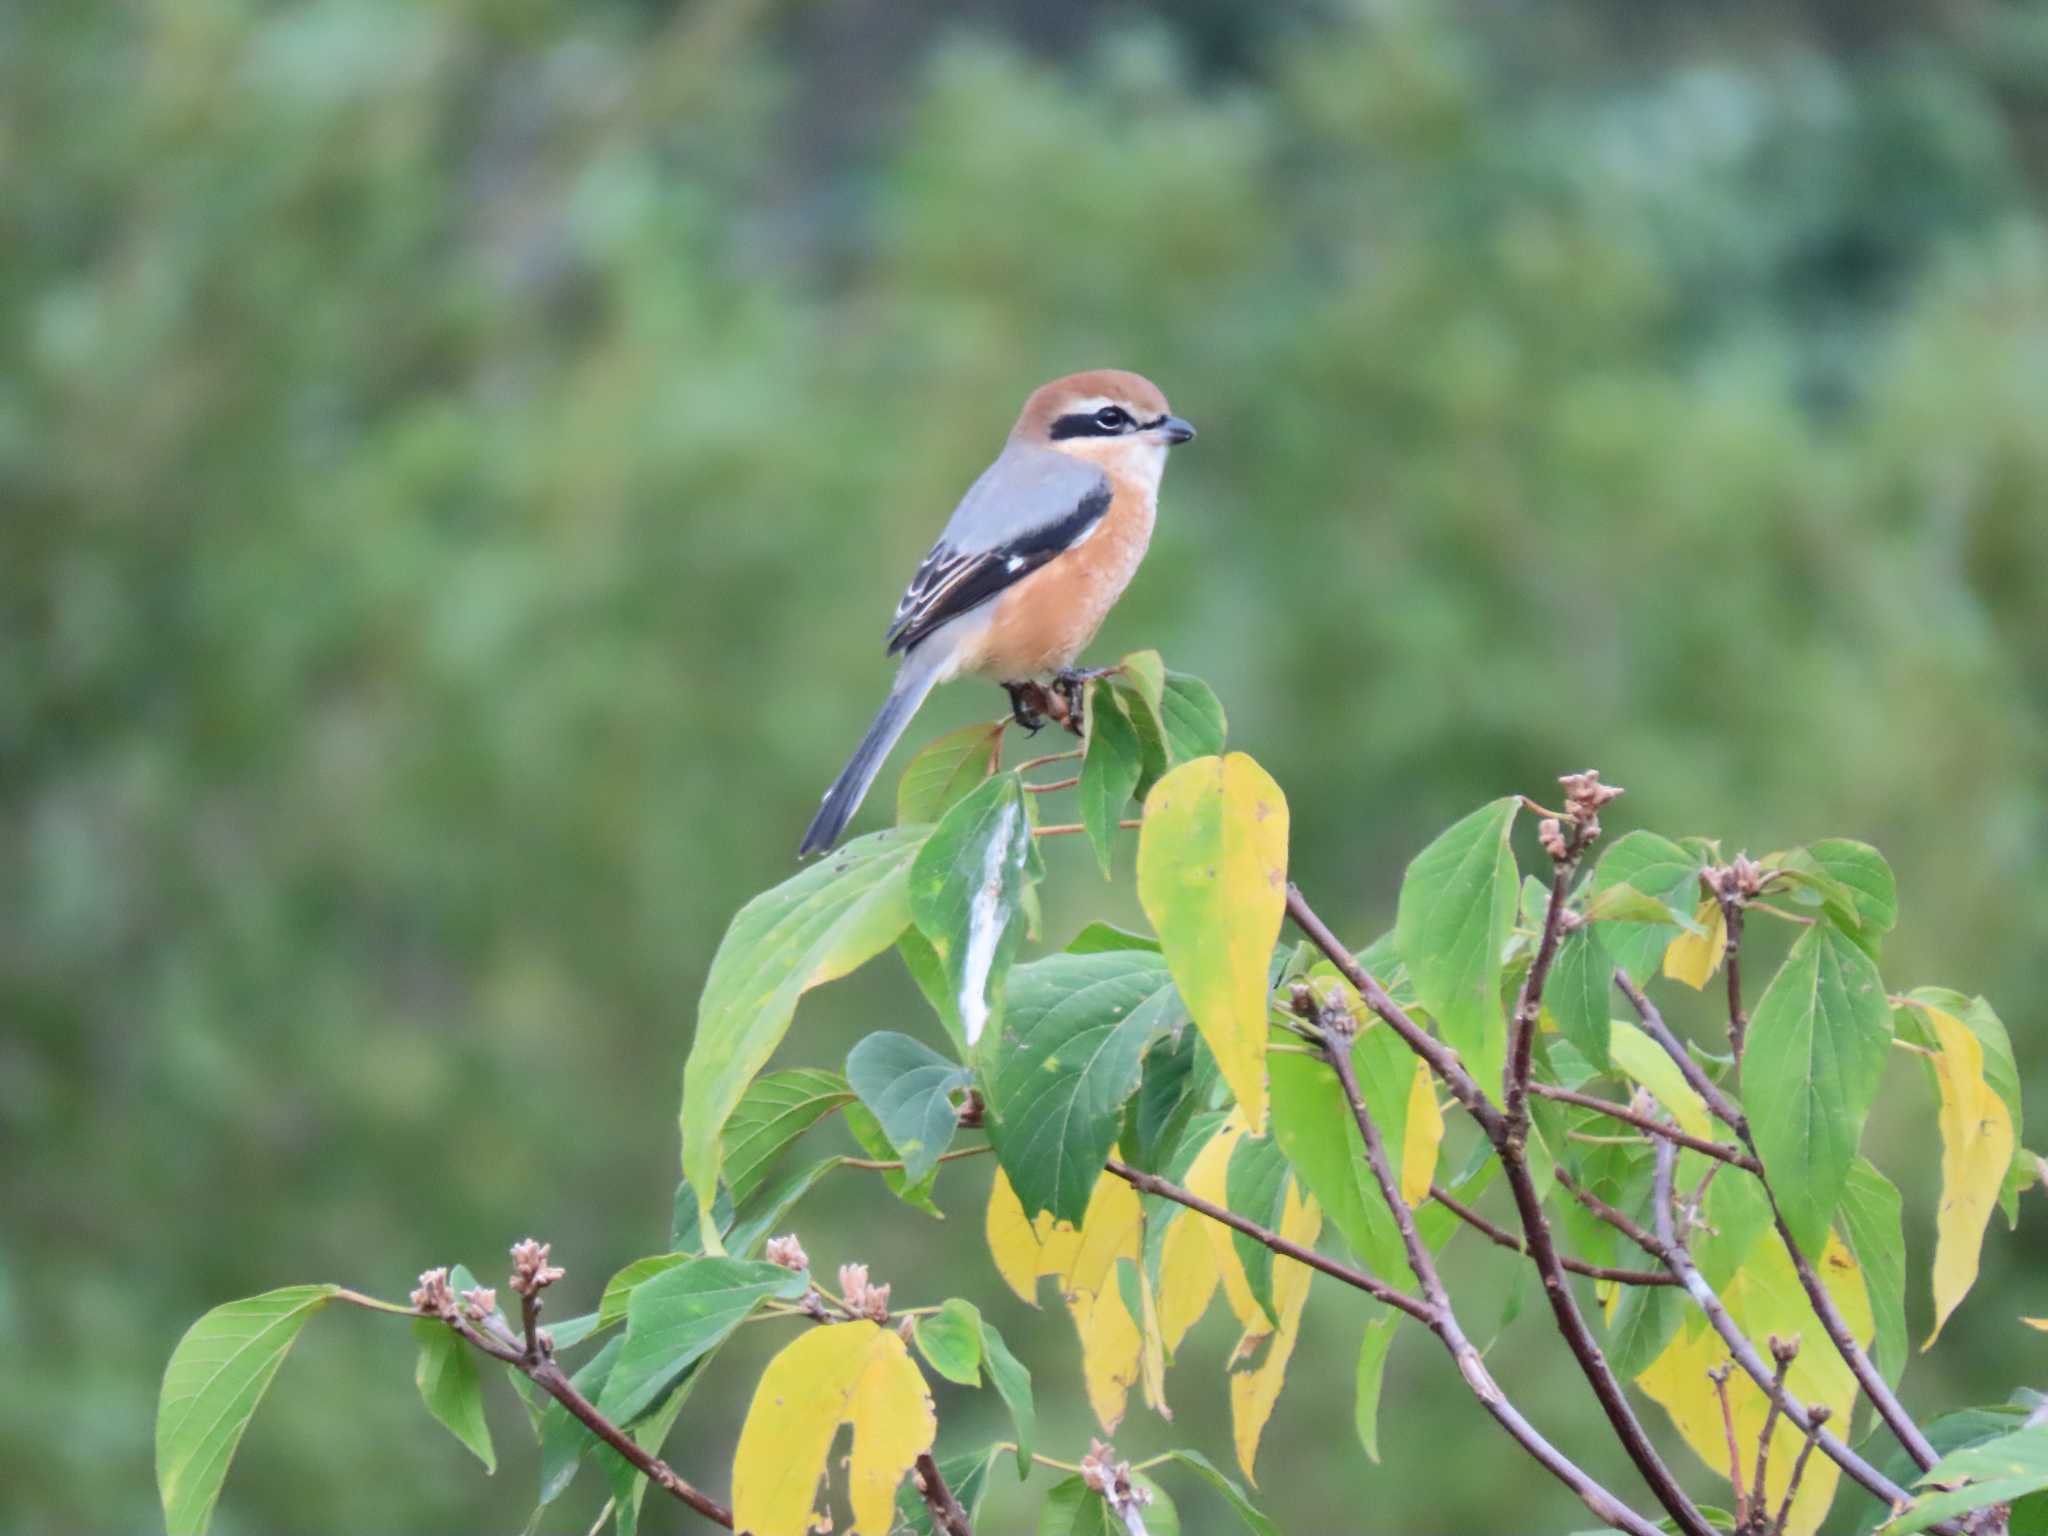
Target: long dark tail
[{"x": 913, "y": 682}]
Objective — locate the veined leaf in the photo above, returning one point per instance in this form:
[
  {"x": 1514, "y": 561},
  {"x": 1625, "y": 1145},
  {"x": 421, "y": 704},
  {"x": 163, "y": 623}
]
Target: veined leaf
[
  {"x": 1871, "y": 1221},
  {"x": 1694, "y": 957},
  {"x": 1109, "y": 770},
  {"x": 967, "y": 895},
  {"x": 946, "y": 771},
  {"x": 966, "y": 1475},
  {"x": 1013, "y": 1384},
  {"x": 1102, "y": 938},
  {"x": 950, "y": 1341},
  {"x": 1655, "y": 867},
  {"x": 817, "y": 926},
  {"x": 1863, "y": 872},
  {"x": 1212, "y": 875},
  {"x": 773, "y": 1112},
  {"x": 1025, "y": 1248},
  {"x": 564, "y": 1442},
  {"x": 1999, "y": 1071},
  {"x": 851, "y": 1373},
  {"x": 1110, "y": 1341},
  {"x": 1996, "y": 1472},
  {"x": 1188, "y": 1276},
  {"x": 1216, "y": 1478},
  {"x": 678, "y": 1317},
  {"x": 1372, "y": 1367},
  {"x": 1456, "y": 911},
  {"x": 1255, "y": 1186},
  {"x": 1073, "y": 1036},
  {"x": 1253, "y": 1392},
  {"x": 447, "y": 1377},
  {"x": 875, "y": 1143},
  {"x": 1072, "y": 1508},
  {"x": 1207, "y": 1176},
  {"x": 1817, "y": 1047},
  {"x": 906, "y": 1086},
  {"x": 217, "y": 1376},
  {"x": 1977, "y": 1145},
  {"x": 1578, "y": 991},
  {"x": 618, "y": 1291}
]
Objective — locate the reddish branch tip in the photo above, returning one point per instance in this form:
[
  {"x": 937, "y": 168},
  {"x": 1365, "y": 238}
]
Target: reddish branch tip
[
  {"x": 1550, "y": 833},
  {"x": 432, "y": 1295},
  {"x": 788, "y": 1252},
  {"x": 531, "y": 1272},
  {"x": 1111, "y": 1478},
  {"x": 1785, "y": 1351},
  {"x": 1584, "y": 794},
  {"x": 479, "y": 1302}
]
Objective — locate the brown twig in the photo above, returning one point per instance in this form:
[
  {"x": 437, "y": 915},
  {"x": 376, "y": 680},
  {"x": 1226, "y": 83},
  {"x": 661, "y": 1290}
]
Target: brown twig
[
  {"x": 1052, "y": 784},
  {"x": 1443, "y": 1321},
  {"x": 886, "y": 1164},
  {"x": 1725, "y": 1109},
  {"x": 1565, "y": 848},
  {"x": 1507, "y": 1239},
  {"x": 1069, "y": 828},
  {"x": 1443, "y": 1061},
  {"x": 1646, "y": 1123},
  {"x": 1783, "y": 1353},
  {"x": 1050, "y": 757},
  {"x": 1358, "y": 1279},
  {"x": 948, "y": 1518},
  {"x": 1731, "y": 959},
  {"x": 1821, "y": 1414},
  {"x": 1718, "y": 1375}
]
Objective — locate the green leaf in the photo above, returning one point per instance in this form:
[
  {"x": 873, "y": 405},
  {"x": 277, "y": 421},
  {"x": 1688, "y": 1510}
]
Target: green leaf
[
  {"x": 1372, "y": 1368},
  {"x": 686, "y": 1227},
  {"x": 1072, "y": 1039},
  {"x": 1653, "y": 867},
  {"x": 1456, "y": 911},
  {"x": 629, "y": 1487},
  {"x": 447, "y": 1377},
  {"x": 1013, "y": 1384},
  {"x": 1580, "y": 984},
  {"x": 1644, "y": 1322},
  {"x": 1072, "y": 1508},
  {"x": 1949, "y": 1433},
  {"x": 680, "y": 1315},
  {"x": 1144, "y": 674},
  {"x": 1817, "y": 1047},
  {"x": 216, "y": 1377},
  {"x": 950, "y": 1341},
  {"x": 966, "y": 894},
  {"x": 1998, "y": 1472},
  {"x": 1874, "y": 1229},
  {"x": 874, "y": 1141},
  {"x": 1109, "y": 771},
  {"x": 1100, "y": 938},
  {"x": 1738, "y": 1214},
  {"x": 1193, "y": 718},
  {"x": 743, "y": 1239},
  {"x": 1646, "y": 1062},
  {"x": 906, "y": 1086},
  {"x": 1167, "y": 1098},
  {"x": 835, "y": 916},
  {"x": 1316, "y": 1129},
  {"x": 1208, "y": 1471},
  {"x": 946, "y": 771},
  {"x": 1868, "y": 878},
  {"x": 618, "y": 1291},
  {"x": 1255, "y": 1185},
  {"x": 773, "y": 1113}
]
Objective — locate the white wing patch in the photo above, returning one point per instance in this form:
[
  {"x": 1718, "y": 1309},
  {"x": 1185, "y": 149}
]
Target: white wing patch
[{"x": 986, "y": 920}]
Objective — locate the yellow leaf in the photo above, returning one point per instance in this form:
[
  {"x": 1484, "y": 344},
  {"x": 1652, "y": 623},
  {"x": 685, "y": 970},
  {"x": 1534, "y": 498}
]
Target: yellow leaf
[
  {"x": 1425, "y": 1135},
  {"x": 1187, "y": 1277},
  {"x": 1212, "y": 877},
  {"x": 1764, "y": 1298},
  {"x": 1152, "y": 1356},
  {"x": 1206, "y": 1177},
  {"x": 1253, "y": 1392},
  {"x": 1644, "y": 1060},
  {"x": 851, "y": 1373},
  {"x": 2036, "y": 1322},
  {"x": 1694, "y": 957},
  {"x": 1110, "y": 1341},
  {"x": 1023, "y": 1250},
  {"x": 1976, "y": 1150}
]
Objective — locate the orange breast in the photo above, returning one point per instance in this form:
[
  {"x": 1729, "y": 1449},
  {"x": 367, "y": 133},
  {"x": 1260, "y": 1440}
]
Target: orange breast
[{"x": 1046, "y": 620}]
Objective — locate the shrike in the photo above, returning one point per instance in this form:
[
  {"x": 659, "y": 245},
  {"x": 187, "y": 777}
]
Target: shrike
[{"x": 1033, "y": 558}]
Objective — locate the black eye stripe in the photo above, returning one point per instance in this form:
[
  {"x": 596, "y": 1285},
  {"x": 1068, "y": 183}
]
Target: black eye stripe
[{"x": 1086, "y": 424}]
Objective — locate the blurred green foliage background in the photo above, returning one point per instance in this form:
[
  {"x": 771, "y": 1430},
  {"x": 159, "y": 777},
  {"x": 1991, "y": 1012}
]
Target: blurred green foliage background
[{"x": 456, "y": 461}]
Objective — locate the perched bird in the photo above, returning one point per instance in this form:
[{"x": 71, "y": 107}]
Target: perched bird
[{"x": 1035, "y": 555}]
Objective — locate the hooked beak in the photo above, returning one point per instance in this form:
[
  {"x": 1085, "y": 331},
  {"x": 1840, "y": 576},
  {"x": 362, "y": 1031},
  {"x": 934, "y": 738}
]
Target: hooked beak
[{"x": 1169, "y": 431}]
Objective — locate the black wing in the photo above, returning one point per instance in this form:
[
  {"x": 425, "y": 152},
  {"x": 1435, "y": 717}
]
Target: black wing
[{"x": 951, "y": 582}]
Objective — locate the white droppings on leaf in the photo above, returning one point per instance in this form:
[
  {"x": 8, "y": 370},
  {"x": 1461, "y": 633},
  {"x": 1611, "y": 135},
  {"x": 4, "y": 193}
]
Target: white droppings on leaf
[{"x": 986, "y": 920}]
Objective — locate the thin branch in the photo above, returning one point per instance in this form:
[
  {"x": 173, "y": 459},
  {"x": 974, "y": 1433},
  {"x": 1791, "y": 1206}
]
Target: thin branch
[
  {"x": 1783, "y": 1353},
  {"x": 1052, "y": 784},
  {"x": 1719, "y": 1377},
  {"x": 1069, "y": 828},
  {"x": 1443, "y": 1061},
  {"x": 888, "y": 1164},
  {"x": 1510, "y": 1140},
  {"x": 1654, "y": 1127},
  {"x": 1358, "y": 1279},
  {"x": 1821, "y": 1414},
  {"x": 948, "y": 1518},
  {"x": 1443, "y": 1321},
  {"x": 1050, "y": 757},
  {"x": 544, "y": 1373},
  {"x": 1731, "y": 958},
  {"x": 1507, "y": 1239},
  {"x": 1725, "y": 1109},
  {"x": 1874, "y": 1386}
]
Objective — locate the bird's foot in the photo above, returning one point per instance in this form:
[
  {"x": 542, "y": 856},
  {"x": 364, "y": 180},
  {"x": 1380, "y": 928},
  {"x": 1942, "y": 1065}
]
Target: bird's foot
[
  {"x": 1027, "y": 701},
  {"x": 1072, "y": 686}
]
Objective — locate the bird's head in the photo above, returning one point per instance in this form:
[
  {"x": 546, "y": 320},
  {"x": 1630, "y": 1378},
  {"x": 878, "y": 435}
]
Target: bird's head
[{"x": 1116, "y": 420}]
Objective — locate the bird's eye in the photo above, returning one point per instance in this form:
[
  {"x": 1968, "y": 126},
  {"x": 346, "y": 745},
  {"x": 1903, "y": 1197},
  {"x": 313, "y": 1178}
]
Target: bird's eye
[{"x": 1112, "y": 418}]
